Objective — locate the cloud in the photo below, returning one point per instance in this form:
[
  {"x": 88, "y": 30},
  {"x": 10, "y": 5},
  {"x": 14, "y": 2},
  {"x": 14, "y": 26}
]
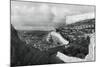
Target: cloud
[{"x": 28, "y": 15}]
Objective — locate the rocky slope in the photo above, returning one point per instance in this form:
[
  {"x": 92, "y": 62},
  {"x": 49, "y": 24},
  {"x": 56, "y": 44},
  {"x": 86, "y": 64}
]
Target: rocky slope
[
  {"x": 23, "y": 54},
  {"x": 31, "y": 47}
]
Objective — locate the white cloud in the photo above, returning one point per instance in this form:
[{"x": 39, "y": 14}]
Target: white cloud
[{"x": 41, "y": 14}]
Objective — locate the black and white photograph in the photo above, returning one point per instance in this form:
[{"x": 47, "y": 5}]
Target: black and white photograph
[{"x": 43, "y": 33}]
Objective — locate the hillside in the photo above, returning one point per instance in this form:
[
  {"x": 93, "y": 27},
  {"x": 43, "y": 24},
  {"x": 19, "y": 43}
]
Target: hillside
[
  {"x": 24, "y": 54},
  {"x": 31, "y": 47}
]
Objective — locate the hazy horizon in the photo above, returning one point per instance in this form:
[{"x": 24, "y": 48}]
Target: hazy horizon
[{"x": 31, "y": 16}]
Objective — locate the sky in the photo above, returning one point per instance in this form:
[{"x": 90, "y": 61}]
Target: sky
[{"x": 43, "y": 16}]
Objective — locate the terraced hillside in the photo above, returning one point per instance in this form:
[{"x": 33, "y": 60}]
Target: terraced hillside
[
  {"x": 82, "y": 27},
  {"x": 78, "y": 35},
  {"x": 32, "y": 48}
]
